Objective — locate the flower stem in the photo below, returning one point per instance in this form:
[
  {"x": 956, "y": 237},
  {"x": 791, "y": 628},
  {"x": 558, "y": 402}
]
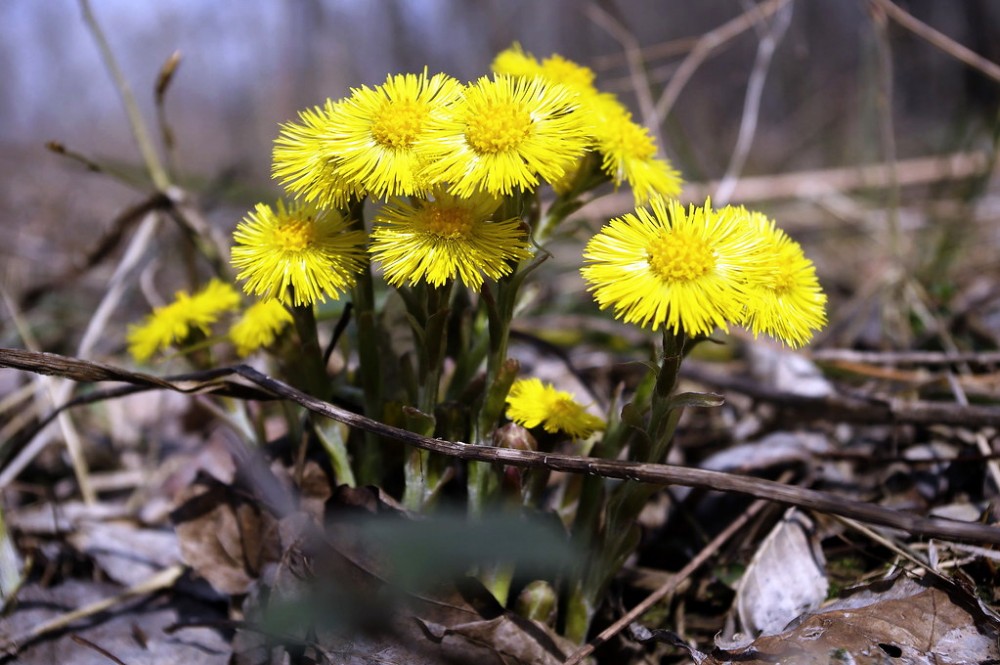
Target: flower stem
[{"x": 369, "y": 358}]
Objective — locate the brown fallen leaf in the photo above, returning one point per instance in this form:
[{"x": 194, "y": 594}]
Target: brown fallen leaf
[{"x": 902, "y": 621}]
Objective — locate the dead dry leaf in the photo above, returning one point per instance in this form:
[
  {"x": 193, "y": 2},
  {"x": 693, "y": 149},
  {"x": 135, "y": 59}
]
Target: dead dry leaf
[
  {"x": 226, "y": 537},
  {"x": 902, "y": 621},
  {"x": 785, "y": 578}
]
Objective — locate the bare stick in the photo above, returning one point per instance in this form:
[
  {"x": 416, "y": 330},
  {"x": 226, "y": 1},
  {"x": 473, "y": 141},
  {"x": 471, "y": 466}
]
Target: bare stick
[
  {"x": 751, "y": 103},
  {"x": 161, "y": 580},
  {"x": 940, "y": 40},
  {"x": 139, "y": 131},
  {"x": 636, "y": 66},
  {"x": 819, "y": 183},
  {"x": 659, "y": 474},
  {"x": 706, "y": 45}
]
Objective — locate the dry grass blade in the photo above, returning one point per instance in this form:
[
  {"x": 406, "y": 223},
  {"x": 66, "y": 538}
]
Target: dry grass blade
[{"x": 659, "y": 474}]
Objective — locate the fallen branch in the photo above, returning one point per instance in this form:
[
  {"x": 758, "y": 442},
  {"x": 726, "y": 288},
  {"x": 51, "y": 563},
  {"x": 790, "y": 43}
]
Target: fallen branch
[{"x": 657, "y": 474}]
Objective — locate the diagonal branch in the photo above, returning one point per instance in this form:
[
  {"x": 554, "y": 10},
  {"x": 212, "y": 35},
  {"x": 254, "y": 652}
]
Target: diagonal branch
[{"x": 658, "y": 474}]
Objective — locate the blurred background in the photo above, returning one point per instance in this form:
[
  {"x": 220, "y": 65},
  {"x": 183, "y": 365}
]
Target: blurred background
[{"x": 835, "y": 93}]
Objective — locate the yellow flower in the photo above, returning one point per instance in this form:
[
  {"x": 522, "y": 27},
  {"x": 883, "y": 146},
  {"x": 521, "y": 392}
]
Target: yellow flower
[
  {"x": 306, "y": 162},
  {"x": 504, "y": 134},
  {"x": 628, "y": 153},
  {"x": 532, "y": 403},
  {"x": 557, "y": 69},
  {"x": 375, "y": 131},
  {"x": 259, "y": 326},
  {"x": 301, "y": 247},
  {"x": 686, "y": 271},
  {"x": 786, "y": 301},
  {"x": 445, "y": 238},
  {"x": 174, "y": 322},
  {"x": 514, "y": 61}
]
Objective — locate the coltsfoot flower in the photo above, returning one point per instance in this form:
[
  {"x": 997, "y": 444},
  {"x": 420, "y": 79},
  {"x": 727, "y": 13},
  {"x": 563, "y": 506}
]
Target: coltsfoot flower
[
  {"x": 174, "y": 322},
  {"x": 786, "y": 300},
  {"x": 297, "y": 254},
  {"x": 259, "y": 326},
  {"x": 686, "y": 270},
  {"x": 532, "y": 403},
  {"x": 504, "y": 134},
  {"x": 629, "y": 153},
  {"x": 306, "y": 161},
  {"x": 375, "y": 132},
  {"x": 445, "y": 238}
]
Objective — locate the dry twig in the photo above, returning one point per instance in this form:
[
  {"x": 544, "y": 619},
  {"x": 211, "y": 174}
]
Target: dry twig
[{"x": 659, "y": 474}]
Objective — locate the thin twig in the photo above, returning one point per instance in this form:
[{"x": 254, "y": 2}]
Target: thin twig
[
  {"x": 675, "y": 580},
  {"x": 820, "y": 183},
  {"x": 161, "y": 580},
  {"x": 636, "y": 66},
  {"x": 940, "y": 40},
  {"x": 54, "y": 389},
  {"x": 905, "y": 357},
  {"x": 660, "y": 474},
  {"x": 139, "y": 130},
  {"x": 708, "y": 43},
  {"x": 751, "y": 102}
]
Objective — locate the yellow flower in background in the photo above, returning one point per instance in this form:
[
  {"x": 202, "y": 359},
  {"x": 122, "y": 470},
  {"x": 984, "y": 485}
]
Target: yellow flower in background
[
  {"x": 514, "y": 61},
  {"x": 376, "y": 131},
  {"x": 302, "y": 247},
  {"x": 686, "y": 270},
  {"x": 504, "y": 134},
  {"x": 259, "y": 326},
  {"x": 532, "y": 403},
  {"x": 786, "y": 300},
  {"x": 629, "y": 153},
  {"x": 446, "y": 238},
  {"x": 306, "y": 162},
  {"x": 174, "y": 322}
]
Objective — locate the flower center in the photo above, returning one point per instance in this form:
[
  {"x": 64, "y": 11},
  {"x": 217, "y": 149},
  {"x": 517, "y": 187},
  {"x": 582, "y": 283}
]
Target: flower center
[
  {"x": 782, "y": 281},
  {"x": 295, "y": 235},
  {"x": 497, "y": 128},
  {"x": 634, "y": 141},
  {"x": 448, "y": 222},
  {"x": 676, "y": 256},
  {"x": 397, "y": 124}
]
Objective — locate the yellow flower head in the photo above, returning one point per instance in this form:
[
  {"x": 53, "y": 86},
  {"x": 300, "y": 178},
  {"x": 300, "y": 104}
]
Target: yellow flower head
[
  {"x": 376, "y": 131},
  {"x": 532, "y": 403},
  {"x": 504, "y": 134},
  {"x": 514, "y": 61},
  {"x": 306, "y": 162},
  {"x": 786, "y": 301},
  {"x": 628, "y": 153},
  {"x": 259, "y": 326},
  {"x": 174, "y": 322},
  {"x": 557, "y": 69},
  {"x": 302, "y": 247},
  {"x": 445, "y": 238},
  {"x": 684, "y": 270}
]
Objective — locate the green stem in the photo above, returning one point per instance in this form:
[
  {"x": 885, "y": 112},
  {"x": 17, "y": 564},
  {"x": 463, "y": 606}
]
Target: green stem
[
  {"x": 369, "y": 358},
  {"x": 309, "y": 371}
]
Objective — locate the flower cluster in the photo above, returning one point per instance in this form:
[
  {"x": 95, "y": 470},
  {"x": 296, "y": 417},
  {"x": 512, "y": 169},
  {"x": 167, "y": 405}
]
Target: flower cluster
[
  {"x": 190, "y": 315},
  {"x": 699, "y": 269},
  {"x": 175, "y": 322}
]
